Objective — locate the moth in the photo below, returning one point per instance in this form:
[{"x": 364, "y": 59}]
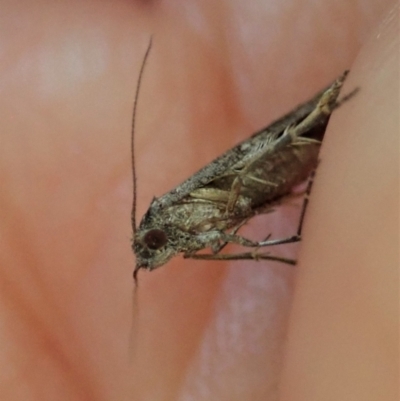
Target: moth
[{"x": 207, "y": 210}]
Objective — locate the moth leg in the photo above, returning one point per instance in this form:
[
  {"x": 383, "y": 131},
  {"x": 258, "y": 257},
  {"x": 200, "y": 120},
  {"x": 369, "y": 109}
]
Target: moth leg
[
  {"x": 236, "y": 239},
  {"x": 234, "y": 194},
  {"x": 297, "y": 236},
  {"x": 254, "y": 255},
  {"x": 241, "y": 256},
  {"x": 236, "y": 186},
  {"x": 305, "y": 202},
  {"x": 290, "y": 136},
  {"x": 326, "y": 104},
  {"x": 221, "y": 245}
]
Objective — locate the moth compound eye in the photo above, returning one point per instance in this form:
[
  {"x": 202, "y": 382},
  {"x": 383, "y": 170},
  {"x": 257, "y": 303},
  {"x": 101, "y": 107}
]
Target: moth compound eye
[{"x": 155, "y": 239}]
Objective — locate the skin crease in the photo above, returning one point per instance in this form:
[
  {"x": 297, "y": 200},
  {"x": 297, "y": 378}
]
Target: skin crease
[{"x": 68, "y": 74}]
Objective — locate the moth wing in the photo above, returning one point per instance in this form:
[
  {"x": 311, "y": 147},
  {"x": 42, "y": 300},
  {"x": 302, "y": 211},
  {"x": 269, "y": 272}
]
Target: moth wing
[{"x": 222, "y": 165}]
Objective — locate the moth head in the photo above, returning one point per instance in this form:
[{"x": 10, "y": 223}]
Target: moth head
[{"x": 152, "y": 248}]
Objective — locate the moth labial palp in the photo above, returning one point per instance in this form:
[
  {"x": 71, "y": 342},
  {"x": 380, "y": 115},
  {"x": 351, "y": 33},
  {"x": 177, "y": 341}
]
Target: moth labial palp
[{"x": 207, "y": 210}]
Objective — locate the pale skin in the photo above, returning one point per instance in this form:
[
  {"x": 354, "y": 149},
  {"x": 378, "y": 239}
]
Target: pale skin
[{"x": 215, "y": 75}]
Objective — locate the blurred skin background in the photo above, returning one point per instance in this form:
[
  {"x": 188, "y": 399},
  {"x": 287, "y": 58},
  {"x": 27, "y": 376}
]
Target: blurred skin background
[{"x": 201, "y": 331}]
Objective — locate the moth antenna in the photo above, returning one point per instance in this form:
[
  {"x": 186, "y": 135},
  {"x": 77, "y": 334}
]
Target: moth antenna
[
  {"x": 135, "y": 103},
  {"x": 133, "y": 213}
]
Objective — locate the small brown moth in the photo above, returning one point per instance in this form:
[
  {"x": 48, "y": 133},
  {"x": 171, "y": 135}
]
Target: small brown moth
[{"x": 208, "y": 209}]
